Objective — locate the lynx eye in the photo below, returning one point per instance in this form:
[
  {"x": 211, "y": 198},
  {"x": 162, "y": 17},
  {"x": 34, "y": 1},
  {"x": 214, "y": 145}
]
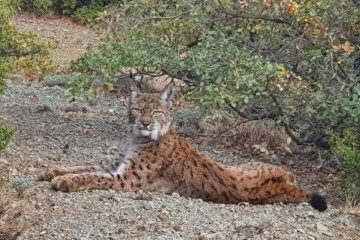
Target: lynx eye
[
  {"x": 157, "y": 113},
  {"x": 136, "y": 110}
]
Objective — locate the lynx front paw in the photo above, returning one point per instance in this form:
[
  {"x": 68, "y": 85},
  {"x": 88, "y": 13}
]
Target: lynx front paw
[
  {"x": 49, "y": 174},
  {"x": 65, "y": 184}
]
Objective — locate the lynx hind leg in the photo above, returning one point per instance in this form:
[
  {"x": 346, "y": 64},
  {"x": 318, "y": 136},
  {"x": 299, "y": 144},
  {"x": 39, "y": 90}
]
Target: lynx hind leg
[{"x": 51, "y": 173}]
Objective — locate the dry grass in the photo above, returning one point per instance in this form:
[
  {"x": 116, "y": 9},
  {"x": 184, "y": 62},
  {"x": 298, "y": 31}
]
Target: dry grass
[
  {"x": 246, "y": 133},
  {"x": 353, "y": 210},
  {"x": 12, "y": 208},
  {"x": 8, "y": 210}
]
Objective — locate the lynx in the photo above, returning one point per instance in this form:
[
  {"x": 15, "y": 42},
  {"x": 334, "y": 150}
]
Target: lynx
[{"x": 155, "y": 158}]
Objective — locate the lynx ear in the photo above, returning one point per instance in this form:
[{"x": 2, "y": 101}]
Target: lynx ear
[
  {"x": 166, "y": 96},
  {"x": 133, "y": 90}
]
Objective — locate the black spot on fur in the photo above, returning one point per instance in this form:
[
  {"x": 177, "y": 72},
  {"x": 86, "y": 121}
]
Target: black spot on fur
[
  {"x": 276, "y": 179},
  {"x": 109, "y": 172},
  {"x": 137, "y": 175},
  {"x": 265, "y": 182},
  {"x": 219, "y": 180},
  {"x": 318, "y": 202}
]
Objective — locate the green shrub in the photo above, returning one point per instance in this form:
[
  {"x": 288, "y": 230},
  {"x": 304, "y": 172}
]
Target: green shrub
[
  {"x": 6, "y": 133},
  {"x": 7, "y": 10},
  {"x": 79, "y": 84},
  {"x": 34, "y": 68},
  {"x": 348, "y": 148},
  {"x": 275, "y": 60},
  {"x": 68, "y": 7},
  {"x": 91, "y": 13},
  {"x": 21, "y": 52}
]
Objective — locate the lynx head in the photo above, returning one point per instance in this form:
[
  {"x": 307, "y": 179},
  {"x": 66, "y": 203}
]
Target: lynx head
[{"x": 149, "y": 114}]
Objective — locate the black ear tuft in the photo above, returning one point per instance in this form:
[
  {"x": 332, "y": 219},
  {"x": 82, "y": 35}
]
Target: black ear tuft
[{"x": 318, "y": 202}]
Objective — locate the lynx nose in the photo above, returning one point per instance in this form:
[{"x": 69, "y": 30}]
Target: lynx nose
[{"x": 145, "y": 122}]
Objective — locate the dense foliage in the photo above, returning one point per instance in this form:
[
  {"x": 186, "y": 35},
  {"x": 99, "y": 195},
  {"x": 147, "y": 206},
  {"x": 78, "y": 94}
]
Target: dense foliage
[
  {"x": 6, "y": 134},
  {"x": 84, "y": 11},
  {"x": 347, "y": 148},
  {"x": 290, "y": 61},
  {"x": 21, "y": 52}
]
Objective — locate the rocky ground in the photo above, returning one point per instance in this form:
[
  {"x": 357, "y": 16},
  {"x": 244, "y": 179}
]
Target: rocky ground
[{"x": 52, "y": 132}]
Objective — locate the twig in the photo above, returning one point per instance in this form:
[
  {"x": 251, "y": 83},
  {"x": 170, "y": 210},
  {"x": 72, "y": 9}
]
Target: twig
[
  {"x": 285, "y": 125},
  {"x": 259, "y": 17},
  {"x": 166, "y": 18},
  {"x": 246, "y": 116},
  {"x": 233, "y": 126}
]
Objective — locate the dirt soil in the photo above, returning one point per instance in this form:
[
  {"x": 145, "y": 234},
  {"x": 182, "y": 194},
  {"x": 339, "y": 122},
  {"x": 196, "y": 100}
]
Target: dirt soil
[
  {"x": 72, "y": 39},
  {"x": 53, "y": 132}
]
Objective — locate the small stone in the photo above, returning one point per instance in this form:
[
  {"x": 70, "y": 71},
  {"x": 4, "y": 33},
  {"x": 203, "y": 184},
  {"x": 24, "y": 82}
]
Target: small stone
[
  {"x": 322, "y": 229},
  {"x": 17, "y": 78},
  {"x": 115, "y": 198},
  {"x": 42, "y": 233},
  {"x": 31, "y": 169},
  {"x": 3, "y": 161},
  {"x": 206, "y": 236},
  {"x": 149, "y": 205},
  {"x": 175, "y": 195},
  {"x": 114, "y": 147},
  {"x": 310, "y": 214},
  {"x": 274, "y": 158}
]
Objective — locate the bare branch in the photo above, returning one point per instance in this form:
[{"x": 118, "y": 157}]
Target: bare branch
[
  {"x": 251, "y": 117},
  {"x": 285, "y": 125},
  {"x": 166, "y": 18},
  {"x": 259, "y": 17}
]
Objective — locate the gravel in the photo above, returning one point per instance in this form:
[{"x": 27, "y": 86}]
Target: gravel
[{"x": 52, "y": 131}]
